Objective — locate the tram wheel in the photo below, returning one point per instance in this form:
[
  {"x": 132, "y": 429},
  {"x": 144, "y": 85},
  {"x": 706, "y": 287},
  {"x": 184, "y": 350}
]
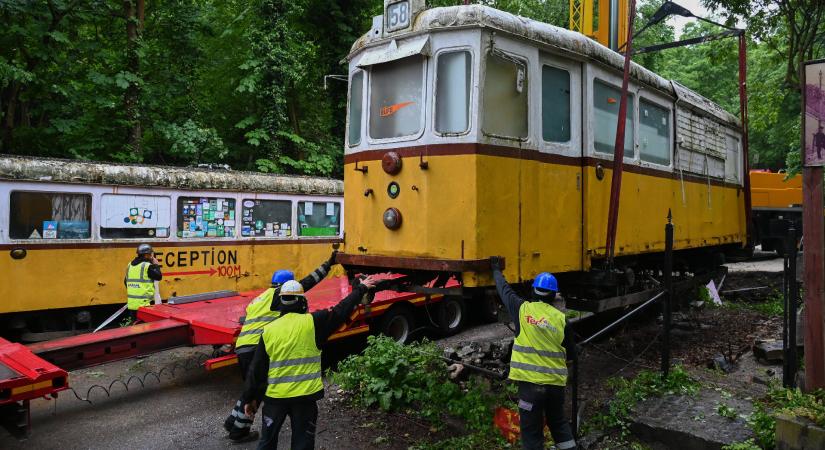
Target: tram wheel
[{"x": 397, "y": 323}]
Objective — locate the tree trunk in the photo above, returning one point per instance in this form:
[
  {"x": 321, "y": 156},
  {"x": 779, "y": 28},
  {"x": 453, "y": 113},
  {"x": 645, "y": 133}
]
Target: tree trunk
[{"x": 134, "y": 12}]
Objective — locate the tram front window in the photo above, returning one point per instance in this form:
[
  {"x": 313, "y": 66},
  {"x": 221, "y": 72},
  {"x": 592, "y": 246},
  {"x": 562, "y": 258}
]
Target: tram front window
[
  {"x": 396, "y": 99},
  {"x": 50, "y": 215}
]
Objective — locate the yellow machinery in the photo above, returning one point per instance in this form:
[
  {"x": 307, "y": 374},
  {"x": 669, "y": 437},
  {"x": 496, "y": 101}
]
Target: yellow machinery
[
  {"x": 777, "y": 203},
  {"x": 604, "y": 21}
]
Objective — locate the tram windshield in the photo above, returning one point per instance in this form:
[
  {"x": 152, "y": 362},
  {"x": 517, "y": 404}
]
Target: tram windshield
[{"x": 396, "y": 98}]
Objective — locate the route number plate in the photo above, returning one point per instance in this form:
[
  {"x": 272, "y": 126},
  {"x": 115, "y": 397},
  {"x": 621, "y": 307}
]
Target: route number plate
[{"x": 398, "y": 16}]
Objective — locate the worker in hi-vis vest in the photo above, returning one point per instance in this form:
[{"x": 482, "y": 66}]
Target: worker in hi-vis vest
[
  {"x": 539, "y": 359},
  {"x": 141, "y": 275},
  {"x": 260, "y": 312},
  {"x": 286, "y": 368}
]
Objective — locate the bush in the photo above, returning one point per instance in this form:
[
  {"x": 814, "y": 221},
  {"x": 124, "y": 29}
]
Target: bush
[{"x": 414, "y": 377}]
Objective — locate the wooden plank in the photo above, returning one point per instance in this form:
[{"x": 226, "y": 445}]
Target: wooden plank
[{"x": 813, "y": 226}]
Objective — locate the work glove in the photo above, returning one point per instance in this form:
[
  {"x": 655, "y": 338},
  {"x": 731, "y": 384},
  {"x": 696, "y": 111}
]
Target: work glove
[
  {"x": 496, "y": 263},
  {"x": 331, "y": 260}
]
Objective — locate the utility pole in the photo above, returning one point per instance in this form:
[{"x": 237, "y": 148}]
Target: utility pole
[{"x": 813, "y": 227}]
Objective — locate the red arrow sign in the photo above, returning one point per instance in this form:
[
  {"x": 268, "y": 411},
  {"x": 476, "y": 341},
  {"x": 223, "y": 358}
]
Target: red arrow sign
[{"x": 209, "y": 272}]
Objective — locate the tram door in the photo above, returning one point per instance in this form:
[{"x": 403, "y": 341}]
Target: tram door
[{"x": 551, "y": 225}]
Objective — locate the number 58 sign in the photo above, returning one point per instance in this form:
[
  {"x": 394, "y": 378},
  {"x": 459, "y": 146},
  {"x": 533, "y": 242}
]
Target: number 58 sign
[{"x": 399, "y": 15}]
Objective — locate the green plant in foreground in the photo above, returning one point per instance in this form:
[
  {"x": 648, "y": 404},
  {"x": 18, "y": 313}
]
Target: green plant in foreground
[
  {"x": 781, "y": 401},
  {"x": 726, "y": 411},
  {"x": 414, "y": 378},
  {"x": 629, "y": 392}
]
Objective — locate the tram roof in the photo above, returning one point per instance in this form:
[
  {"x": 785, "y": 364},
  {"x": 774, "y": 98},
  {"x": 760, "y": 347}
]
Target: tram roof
[
  {"x": 566, "y": 41},
  {"x": 190, "y": 178}
]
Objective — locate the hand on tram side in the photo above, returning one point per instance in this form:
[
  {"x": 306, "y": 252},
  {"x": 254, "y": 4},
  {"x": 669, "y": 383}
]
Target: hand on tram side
[
  {"x": 496, "y": 263},
  {"x": 332, "y": 257},
  {"x": 369, "y": 281}
]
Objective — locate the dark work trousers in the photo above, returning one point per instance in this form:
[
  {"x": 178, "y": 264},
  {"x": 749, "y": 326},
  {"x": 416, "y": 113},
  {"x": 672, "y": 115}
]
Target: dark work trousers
[
  {"x": 238, "y": 424},
  {"x": 539, "y": 402},
  {"x": 303, "y": 415}
]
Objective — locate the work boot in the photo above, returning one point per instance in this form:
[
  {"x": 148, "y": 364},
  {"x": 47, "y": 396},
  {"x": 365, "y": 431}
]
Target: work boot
[
  {"x": 246, "y": 437},
  {"x": 228, "y": 424}
]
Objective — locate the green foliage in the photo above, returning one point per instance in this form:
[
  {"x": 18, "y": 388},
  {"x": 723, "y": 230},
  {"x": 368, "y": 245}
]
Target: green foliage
[
  {"x": 780, "y": 400},
  {"x": 772, "y": 306},
  {"x": 750, "y": 444},
  {"x": 414, "y": 378},
  {"x": 726, "y": 411},
  {"x": 629, "y": 392}
]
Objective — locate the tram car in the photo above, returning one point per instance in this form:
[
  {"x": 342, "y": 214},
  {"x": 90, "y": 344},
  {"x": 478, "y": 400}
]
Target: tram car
[
  {"x": 68, "y": 229},
  {"x": 474, "y": 133}
]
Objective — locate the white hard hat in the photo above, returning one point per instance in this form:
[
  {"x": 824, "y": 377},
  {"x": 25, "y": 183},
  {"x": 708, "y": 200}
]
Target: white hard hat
[{"x": 293, "y": 288}]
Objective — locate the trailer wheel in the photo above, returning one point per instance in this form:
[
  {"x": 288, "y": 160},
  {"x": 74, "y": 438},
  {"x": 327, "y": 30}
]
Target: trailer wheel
[
  {"x": 452, "y": 313},
  {"x": 397, "y": 323},
  {"x": 488, "y": 307}
]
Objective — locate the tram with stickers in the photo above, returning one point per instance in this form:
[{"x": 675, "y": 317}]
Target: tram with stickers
[
  {"x": 474, "y": 133},
  {"x": 68, "y": 229}
]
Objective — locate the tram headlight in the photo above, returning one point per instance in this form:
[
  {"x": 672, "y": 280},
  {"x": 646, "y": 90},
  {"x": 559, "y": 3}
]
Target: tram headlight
[
  {"x": 392, "y": 218},
  {"x": 391, "y": 163}
]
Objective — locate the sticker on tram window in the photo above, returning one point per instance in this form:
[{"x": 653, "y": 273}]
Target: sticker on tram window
[
  {"x": 50, "y": 215},
  {"x": 316, "y": 221},
  {"x": 267, "y": 218},
  {"x": 135, "y": 216},
  {"x": 212, "y": 217}
]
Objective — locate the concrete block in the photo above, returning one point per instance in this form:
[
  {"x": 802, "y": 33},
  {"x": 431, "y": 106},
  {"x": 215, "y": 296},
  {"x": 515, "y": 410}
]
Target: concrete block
[{"x": 796, "y": 433}]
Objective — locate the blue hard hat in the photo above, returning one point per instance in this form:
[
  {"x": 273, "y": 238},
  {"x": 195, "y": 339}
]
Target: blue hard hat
[
  {"x": 546, "y": 282},
  {"x": 282, "y": 276}
]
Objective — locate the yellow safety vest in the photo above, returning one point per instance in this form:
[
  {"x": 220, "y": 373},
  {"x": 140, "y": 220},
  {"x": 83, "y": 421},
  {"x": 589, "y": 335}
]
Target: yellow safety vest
[
  {"x": 258, "y": 315},
  {"x": 140, "y": 290},
  {"x": 294, "y": 359},
  {"x": 538, "y": 354}
]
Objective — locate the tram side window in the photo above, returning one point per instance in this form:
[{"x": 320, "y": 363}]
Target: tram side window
[
  {"x": 206, "y": 217},
  {"x": 396, "y": 98},
  {"x": 605, "y": 115},
  {"x": 135, "y": 216},
  {"x": 505, "y": 97},
  {"x": 319, "y": 218},
  {"x": 732, "y": 159},
  {"x": 356, "y": 101},
  {"x": 266, "y": 218},
  {"x": 555, "y": 104},
  {"x": 654, "y": 133},
  {"x": 452, "y": 102},
  {"x": 50, "y": 215}
]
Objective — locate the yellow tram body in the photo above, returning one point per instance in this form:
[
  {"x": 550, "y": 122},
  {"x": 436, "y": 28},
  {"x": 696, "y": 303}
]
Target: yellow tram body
[
  {"x": 467, "y": 195},
  {"x": 51, "y": 275}
]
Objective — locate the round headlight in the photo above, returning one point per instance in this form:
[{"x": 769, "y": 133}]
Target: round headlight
[
  {"x": 391, "y": 163},
  {"x": 392, "y": 218}
]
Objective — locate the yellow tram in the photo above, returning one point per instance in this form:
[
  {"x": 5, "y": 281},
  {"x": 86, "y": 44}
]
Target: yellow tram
[
  {"x": 68, "y": 229},
  {"x": 473, "y": 133}
]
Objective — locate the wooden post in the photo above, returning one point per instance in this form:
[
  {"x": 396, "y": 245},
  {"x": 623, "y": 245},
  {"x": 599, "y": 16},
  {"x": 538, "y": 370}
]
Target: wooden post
[{"x": 813, "y": 228}]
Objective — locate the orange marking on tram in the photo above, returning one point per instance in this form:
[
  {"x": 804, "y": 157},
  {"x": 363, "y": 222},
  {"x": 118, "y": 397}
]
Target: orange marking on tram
[{"x": 392, "y": 109}]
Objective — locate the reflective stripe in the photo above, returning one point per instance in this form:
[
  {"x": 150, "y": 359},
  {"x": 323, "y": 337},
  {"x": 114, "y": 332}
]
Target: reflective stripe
[
  {"x": 248, "y": 332},
  {"x": 135, "y": 280},
  {"x": 294, "y": 362},
  {"x": 322, "y": 271},
  {"x": 534, "y": 368},
  {"x": 294, "y": 378},
  {"x": 566, "y": 444},
  {"x": 244, "y": 349},
  {"x": 549, "y": 354},
  {"x": 239, "y": 424},
  {"x": 260, "y": 319},
  {"x": 150, "y": 297},
  {"x": 315, "y": 276}
]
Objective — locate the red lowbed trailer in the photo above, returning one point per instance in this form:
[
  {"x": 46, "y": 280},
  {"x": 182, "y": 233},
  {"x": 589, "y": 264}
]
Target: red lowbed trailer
[{"x": 40, "y": 370}]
